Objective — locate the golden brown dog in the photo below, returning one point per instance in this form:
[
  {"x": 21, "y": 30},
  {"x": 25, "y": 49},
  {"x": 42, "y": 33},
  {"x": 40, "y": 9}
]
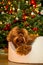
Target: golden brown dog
[{"x": 21, "y": 40}]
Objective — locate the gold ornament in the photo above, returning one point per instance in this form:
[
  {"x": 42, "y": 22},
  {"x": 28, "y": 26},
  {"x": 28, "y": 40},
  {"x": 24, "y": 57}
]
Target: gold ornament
[
  {"x": 11, "y": 5},
  {"x": 5, "y": 7},
  {"x": 18, "y": 9},
  {"x": 14, "y": 16},
  {"x": 38, "y": 5},
  {"x": 0, "y": 22},
  {"x": 13, "y": 13},
  {"x": 27, "y": 2},
  {"x": 31, "y": 34},
  {"x": 9, "y": 2},
  {"x": 0, "y": 3},
  {"x": 30, "y": 7},
  {"x": 13, "y": 8},
  {"x": 32, "y": 13},
  {"x": 17, "y": 18},
  {"x": 36, "y": 35},
  {"x": 2, "y": 12},
  {"x": 37, "y": 10},
  {"x": 10, "y": 8}
]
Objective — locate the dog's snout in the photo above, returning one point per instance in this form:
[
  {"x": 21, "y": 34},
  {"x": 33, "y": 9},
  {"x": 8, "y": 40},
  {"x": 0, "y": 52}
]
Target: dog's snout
[{"x": 20, "y": 40}]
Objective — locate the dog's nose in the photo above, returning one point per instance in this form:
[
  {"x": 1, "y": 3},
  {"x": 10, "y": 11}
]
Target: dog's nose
[{"x": 20, "y": 40}]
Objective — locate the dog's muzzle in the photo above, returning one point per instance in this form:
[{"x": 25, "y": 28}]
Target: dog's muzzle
[{"x": 19, "y": 40}]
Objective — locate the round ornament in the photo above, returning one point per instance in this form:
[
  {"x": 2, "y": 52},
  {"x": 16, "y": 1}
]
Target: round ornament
[
  {"x": 35, "y": 29},
  {"x": 18, "y": 9},
  {"x": 32, "y": 13},
  {"x": 8, "y": 25},
  {"x": 9, "y": 3},
  {"x": 41, "y": 12},
  {"x": 13, "y": 8},
  {"x": 33, "y": 3},
  {"x": 6, "y": 28},
  {"x": 0, "y": 22},
  {"x": 2, "y": 12},
  {"x": 27, "y": 2},
  {"x": 17, "y": 18},
  {"x": 15, "y": 21}
]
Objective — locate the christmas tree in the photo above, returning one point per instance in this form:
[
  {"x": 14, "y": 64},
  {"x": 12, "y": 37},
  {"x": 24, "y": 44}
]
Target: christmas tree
[{"x": 23, "y": 13}]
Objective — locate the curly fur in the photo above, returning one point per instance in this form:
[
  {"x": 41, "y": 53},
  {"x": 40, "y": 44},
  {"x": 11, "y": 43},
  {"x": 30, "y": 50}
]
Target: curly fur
[{"x": 20, "y": 38}]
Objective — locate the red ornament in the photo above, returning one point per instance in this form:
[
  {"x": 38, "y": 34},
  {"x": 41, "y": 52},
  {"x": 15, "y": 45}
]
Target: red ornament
[
  {"x": 8, "y": 25},
  {"x": 6, "y": 7},
  {"x": 6, "y": 28},
  {"x": 10, "y": 12},
  {"x": 2, "y": 2},
  {"x": 34, "y": 5},
  {"x": 35, "y": 29},
  {"x": 24, "y": 17},
  {"x": 33, "y": 2},
  {"x": 33, "y": 16},
  {"x": 15, "y": 21}
]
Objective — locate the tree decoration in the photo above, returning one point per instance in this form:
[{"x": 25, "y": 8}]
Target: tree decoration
[
  {"x": 34, "y": 5},
  {"x": 37, "y": 10},
  {"x": 33, "y": 2},
  {"x": 35, "y": 29},
  {"x": 26, "y": 24},
  {"x": 6, "y": 7},
  {"x": 8, "y": 25},
  {"x": 41, "y": 12},
  {"x": 13, "y": 8},
  {"x": 32, "y": 14},
  {"x": 38, "y": 5},
  {"x": 2, "y": 12},
  {"x": 6, "y": 28},
  {"x": 17, "y": 18},
  {"x": 2, "y": 2},
  {"x": 10, "y": 12},
  {"x": 9, "y": 3},
  {"x": 18, "y": 9},
  {"x": 27, "y": 2},
  {"x": 24, "y": 17},
  {"x": 15, "y": 21},
  {"x": 0, "y": 22}
]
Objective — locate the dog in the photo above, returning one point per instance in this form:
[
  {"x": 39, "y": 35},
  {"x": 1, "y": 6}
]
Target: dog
[{"x": 21, "y": 40}]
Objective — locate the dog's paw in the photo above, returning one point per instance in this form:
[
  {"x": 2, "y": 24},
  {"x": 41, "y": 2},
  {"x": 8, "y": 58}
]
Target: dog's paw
[{"x": 24, "y": 49}]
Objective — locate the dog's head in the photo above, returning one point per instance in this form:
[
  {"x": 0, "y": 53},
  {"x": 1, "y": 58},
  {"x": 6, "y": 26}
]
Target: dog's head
[{"x": 18, "y": 36}]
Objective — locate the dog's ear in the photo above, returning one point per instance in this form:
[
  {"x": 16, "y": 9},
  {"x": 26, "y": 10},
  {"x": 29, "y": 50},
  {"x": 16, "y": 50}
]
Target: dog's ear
[
  {"x": 9, "y": 36},
  {"x": 12, "y": 33},
  {"x": 25, "y": 33},
  {"x": 31, "y": 38}
]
